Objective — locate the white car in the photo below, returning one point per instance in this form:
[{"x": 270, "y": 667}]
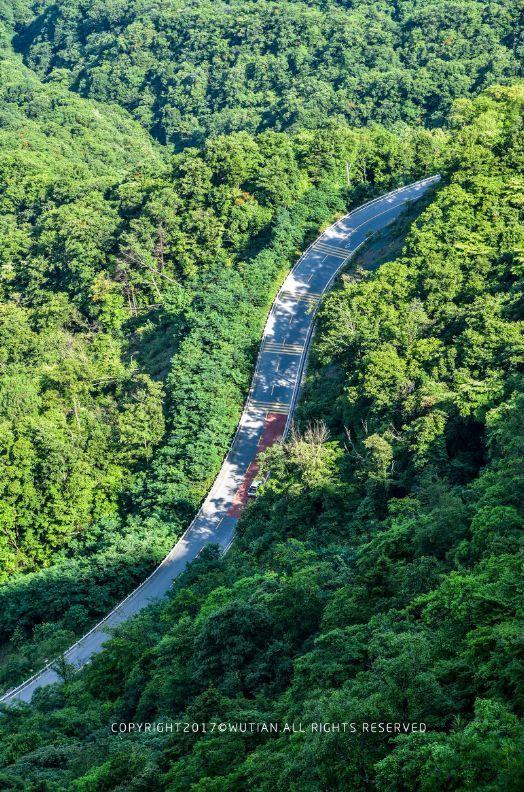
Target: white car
[{"x": 255, "y": 484}]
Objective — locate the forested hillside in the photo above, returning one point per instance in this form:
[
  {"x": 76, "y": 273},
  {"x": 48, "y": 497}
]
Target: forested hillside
[
  {"x": 162, "y": 164},
  {"x": 134, "y": 285},
  {"x": 185, "y": 70},
  {"x": 376, "y": 577},
  {"x": 66, "y": 393}
]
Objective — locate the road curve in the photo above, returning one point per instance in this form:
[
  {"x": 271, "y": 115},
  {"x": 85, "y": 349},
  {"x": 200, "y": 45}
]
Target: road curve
[{"x": 266, "y": 417}]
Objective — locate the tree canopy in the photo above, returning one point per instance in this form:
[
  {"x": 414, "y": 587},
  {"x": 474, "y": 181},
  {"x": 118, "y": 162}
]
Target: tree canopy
[
  {"x": 374, "y": 578},
  {"x": 187, "y": 70},
  {"x": 162, "y": 164}
]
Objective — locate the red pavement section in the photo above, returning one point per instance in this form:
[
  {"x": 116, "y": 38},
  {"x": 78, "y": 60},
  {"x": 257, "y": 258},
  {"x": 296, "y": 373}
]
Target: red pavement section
[{"x": 272, "y": 431}]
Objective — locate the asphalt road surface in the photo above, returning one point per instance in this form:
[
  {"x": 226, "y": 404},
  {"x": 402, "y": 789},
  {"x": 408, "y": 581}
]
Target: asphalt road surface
[{"x": 265, "y": 419}]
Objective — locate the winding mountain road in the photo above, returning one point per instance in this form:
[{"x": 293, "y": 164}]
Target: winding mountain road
[{"x": 266, "y": 417}]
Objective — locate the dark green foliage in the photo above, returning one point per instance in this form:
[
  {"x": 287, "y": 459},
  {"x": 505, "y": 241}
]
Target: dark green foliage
[
  {"x": 189, "y": 69},
  {"x": 133, "y": 291},
  {"x": 68, "y": 398},
  {"x": 376, "y": 576}
]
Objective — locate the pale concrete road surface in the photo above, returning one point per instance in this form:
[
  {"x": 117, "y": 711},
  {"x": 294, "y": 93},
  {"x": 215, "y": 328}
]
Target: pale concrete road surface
[{"x": 266, "y": 415}]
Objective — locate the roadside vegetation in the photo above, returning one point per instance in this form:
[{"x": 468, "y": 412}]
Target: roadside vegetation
[
  {"x": 134, "y": 288},
  {"x": 375, "y": 577},
  {"x": 159, "y": 173}
]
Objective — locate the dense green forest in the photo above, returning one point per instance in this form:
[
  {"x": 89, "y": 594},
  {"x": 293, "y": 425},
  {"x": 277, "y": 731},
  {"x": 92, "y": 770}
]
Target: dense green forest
[
  {"x": 376, "y": 576},
  {"x": 134, "y": 287},
  {"x": 162, "y": 164},
  {"x": 187, "y": 69}
]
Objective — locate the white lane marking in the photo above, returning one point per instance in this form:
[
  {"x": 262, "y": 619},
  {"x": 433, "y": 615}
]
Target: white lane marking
[
  {"x": 331, "y": 250},
  {"x": 369, "y": 219},
  {"x": 275, "y": 346},
  {"x": 226, "y": 548},
  {"x": 300, "y": 296}
]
